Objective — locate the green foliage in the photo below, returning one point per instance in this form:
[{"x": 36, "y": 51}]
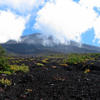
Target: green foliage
[
  {"x": 22, "y": 68},
  {"x": 5, "y": 82},
  {"x": 14, "y": 68},
  {"x": 3, "y": 60},
  {"x": 56, "y": 56},
  {"x": 40, "y": 64},
  {"x": 5, "y": 72},
  {"x": 64, "y": 61},
  {"x": 87, "y": 71},
  {"x": 77, "y": 58},
  {"x": 9, "y": 69},
  {"x": 2, "y": 52},
  {"x": 4, "y": 64},
  {"x": 94, "y": 55},
  {"x": 45, "y": 60}
]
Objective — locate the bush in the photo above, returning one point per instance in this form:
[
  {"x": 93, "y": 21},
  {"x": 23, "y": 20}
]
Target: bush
[
  {"x": 3, "y": 60},
  {"x": 22, "y": 68},
  {"x": 77, "y": 58},
  {"x": 5, "y": 82},
  {"x": 6, "y": 72},
  {"x": 40, "y": 64},
  {"x": 4, "y": 64},
  {"x": 45, "y": 60},
  {"x": 87, "y": 71},
  {"x": 2, "y": 51}
]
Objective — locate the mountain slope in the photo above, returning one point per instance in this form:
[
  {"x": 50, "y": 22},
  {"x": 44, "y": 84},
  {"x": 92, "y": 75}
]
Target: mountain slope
[{"x": 33, "y": 45}]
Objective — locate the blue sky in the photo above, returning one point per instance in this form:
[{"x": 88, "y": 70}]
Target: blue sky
[{"x": 64, "y": 24}]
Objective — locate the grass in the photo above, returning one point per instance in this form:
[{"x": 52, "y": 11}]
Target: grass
[
  {"x": 45, "y": 60},
  {"x": 87, "y": 71},
  {"x": 4, "y": 65},
  {"x": 6, "y": 72},
  {"x": 22, "y": 68},
  {"x": 78, "y": 58},
  {"x": 5, "y": 82},
  {"x": 40, "y": 64},
  {"x": 6, "y": 68},
  {"x": 59, "y": 59},
  {"x": 14, "y": 68}
]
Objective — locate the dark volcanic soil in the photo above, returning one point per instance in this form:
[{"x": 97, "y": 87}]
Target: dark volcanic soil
[{"x": 53, "y": 81}]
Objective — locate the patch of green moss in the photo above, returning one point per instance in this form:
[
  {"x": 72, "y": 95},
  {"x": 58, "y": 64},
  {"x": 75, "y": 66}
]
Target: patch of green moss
[
  {"x": 40, "y": 64},
  {"x": 5, "y": 82},
  {"x": 22, "y": 68},
  {"x": 78, "y": 58}
]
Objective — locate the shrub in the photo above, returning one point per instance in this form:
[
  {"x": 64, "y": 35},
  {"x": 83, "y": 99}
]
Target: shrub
[
  {"x": 44, "y": 60},
  {"x": 5, "y": 82},
  {"x": 5, "y": 72},
  {"x": 4, "y": 64},
  {"x": 87, "y": 71},
  {"x": 22, "y": 68},
  {"x": 3, "y": 60},
  {"x": 77, "y": 58},
  {"x": 40, "y": 64},
  {"x": 2, "y": 51}
]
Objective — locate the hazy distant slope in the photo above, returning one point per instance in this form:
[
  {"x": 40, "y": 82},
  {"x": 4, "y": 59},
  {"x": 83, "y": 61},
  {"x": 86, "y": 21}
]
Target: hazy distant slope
[{"x": 33, "y": 44}]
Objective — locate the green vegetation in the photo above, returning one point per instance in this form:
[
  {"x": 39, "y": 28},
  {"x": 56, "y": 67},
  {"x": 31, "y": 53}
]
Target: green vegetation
[
  {"x": 4, "y": 64},
  {"x": 3, "y": 60},
  {"x": 2, "y": 52},
  {"x": 45, "y": 60},
  {"x": 87, "y": 71},
  {"x": 14, "y": 68},
  {"x": 22, "y": 68},
  {"x": 40, "y": 64},
  {"x": 78, "y": 58},
  {"x": 5, "y": 82},
  {"x": 6, "y": 68},
  {"x": 6, "y": 72},
  {"x": 42, "y": 61}
]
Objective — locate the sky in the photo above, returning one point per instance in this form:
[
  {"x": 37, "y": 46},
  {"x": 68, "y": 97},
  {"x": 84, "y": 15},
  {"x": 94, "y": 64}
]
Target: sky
[{"x": 64, "y": 20}]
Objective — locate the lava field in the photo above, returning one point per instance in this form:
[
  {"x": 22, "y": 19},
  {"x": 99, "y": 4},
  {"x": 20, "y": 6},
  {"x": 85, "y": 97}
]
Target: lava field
[{"x": 51, "y": 78}]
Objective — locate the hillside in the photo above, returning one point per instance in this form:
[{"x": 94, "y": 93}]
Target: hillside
[{"x": 34, "y": 44}]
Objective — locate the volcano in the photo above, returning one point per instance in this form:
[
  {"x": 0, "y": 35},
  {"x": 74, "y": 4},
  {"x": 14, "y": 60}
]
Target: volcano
[{"x": 35, "y": 44}]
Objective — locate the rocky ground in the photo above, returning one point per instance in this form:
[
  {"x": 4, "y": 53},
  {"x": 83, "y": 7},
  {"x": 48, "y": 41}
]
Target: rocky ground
[{"x": 49, "y": 79}]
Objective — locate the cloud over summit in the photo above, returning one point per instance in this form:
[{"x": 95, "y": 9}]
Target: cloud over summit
[{"x": 67, "y": 20}]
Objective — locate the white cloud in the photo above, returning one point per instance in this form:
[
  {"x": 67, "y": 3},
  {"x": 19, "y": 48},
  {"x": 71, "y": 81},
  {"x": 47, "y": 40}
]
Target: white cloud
[
  {"x": 90, "y": 3},
  {"x": 97, "y": 29},
  {"x": 21, "y": 5},
  {"x": 66, "y": 20},
  {"x": 11, "y": 26}
]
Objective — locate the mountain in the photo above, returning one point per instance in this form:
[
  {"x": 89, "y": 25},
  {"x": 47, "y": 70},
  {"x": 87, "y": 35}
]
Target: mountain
[{"x": 36, "y": 44}]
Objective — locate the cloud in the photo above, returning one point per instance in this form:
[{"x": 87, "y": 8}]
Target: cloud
[
  {"x": 22, "y": 6},
  {"x": 11, "y": 26},
  {"x": 14, "y": 15},
  {"x": 97, "y": 29},
  {"x": 90, "y": 3},
  {"x": 67, "y": 20}
]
